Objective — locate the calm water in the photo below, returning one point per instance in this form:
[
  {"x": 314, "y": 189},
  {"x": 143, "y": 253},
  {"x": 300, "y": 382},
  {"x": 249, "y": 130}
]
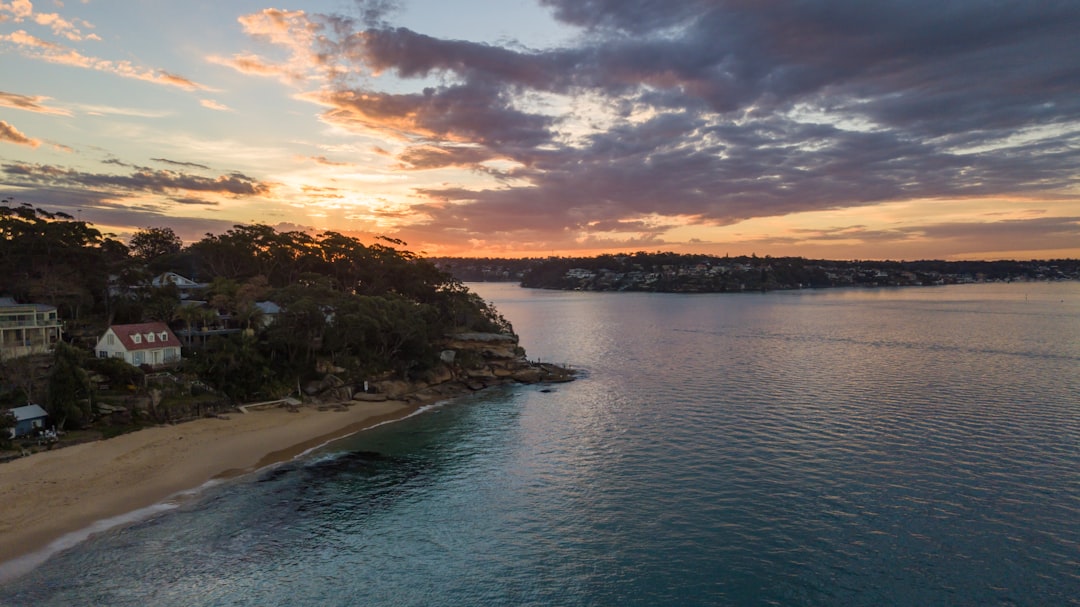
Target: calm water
[{"x": 838, "y": 447}]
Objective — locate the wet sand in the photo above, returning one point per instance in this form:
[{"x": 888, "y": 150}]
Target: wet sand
[{"x": 57, "y": 494}]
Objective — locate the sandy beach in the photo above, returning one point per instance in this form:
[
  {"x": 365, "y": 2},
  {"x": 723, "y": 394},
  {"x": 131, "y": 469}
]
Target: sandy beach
[{"x": 49, "y": 495}]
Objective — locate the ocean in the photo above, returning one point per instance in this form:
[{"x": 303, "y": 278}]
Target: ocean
[{"x": 913, "y": 446}]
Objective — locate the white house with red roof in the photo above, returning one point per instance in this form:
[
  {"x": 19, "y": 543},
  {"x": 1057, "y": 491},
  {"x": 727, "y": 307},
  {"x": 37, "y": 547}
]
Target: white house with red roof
[{"x": 148, "y": 343}]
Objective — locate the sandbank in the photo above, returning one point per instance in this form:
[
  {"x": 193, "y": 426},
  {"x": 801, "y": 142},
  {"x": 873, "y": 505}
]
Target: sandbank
[{"x": 49, "y": 495}]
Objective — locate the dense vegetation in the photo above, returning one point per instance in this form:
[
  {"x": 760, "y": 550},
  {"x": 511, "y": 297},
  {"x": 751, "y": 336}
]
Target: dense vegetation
[{"x": 368, "y": 309}]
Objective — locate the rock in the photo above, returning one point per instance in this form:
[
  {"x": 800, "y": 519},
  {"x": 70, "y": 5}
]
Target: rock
[
  {"x": 527, "y": 376},
  {"x": 332, "y": 381},
  {"x": 343, "y": 393},
  {"x": 369, "y": 398},
  {"x": 441, "y": 375},
  {"x": 393, "y": 388}
]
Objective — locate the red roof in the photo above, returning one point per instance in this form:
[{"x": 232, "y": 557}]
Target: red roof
[{"x": 126, "y": 334}]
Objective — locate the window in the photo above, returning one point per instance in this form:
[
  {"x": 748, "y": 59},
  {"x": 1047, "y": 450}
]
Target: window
[
  {"x": 102, "y": 354},
  {"x": 149, "y": 338},
  {"x": 110, "y": 339},
  {"x": 164, "y": 336},
  {"x": 137, "y": 338}
]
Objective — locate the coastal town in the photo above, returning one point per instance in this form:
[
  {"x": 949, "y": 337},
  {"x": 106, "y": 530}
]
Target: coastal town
[{"x": 674, "y": 273}]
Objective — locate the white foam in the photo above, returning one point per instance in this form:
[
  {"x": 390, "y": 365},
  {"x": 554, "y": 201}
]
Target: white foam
[
  {"x": 419, "y": 410},
  {"x": 9, "y": 570},
  {"x": 20, "y": 566}
]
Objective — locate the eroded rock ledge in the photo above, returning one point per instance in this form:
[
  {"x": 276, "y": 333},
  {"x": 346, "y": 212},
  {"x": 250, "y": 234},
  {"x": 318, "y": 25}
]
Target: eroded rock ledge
[{"x": 468, "y": 362}]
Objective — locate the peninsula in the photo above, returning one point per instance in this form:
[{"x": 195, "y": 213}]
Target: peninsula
[{"x": 681, "y": 273}]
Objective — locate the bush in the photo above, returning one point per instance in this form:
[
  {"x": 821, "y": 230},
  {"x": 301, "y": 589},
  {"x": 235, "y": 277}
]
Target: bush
[{"x": 116, "y": 371}]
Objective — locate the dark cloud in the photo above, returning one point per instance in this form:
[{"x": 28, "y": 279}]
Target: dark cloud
[
  {"x": 756, "y": 108},
  {"x": 141, "y": 180},
  {"x": 1034, "y": 234},
  {"x": 441, "y": 156},
  {"x": 177, "y": 163},
  {"x": 193, "y": 201},
  {"x": 477, "y": 112},
  {"x": 108, "y": 211},
  {"x": 373, "y": 13},
  {"x": 937, "y": 240}
]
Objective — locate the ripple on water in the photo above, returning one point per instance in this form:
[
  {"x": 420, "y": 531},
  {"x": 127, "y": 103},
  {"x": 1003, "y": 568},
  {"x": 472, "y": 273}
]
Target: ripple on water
[{"x": 802, "y": 449}]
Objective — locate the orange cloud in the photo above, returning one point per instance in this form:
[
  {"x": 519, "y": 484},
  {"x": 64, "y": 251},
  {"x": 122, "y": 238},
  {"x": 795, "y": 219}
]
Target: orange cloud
[
  {"x": 323, "y": 160},
  {"x": 214, "y": 105},
  {"x": 50, "y": 52},
  {"x": 254, "y": 65},
  {"x": 12, "y": 135},
  {"x": 310, "y": 53},
  {"x": 30, "y": 104},
  {"x": 22, "y": 10}
]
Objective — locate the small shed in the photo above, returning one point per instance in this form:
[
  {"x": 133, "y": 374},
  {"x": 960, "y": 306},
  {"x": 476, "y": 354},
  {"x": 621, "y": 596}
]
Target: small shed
[{"x": 28, "y": 419}]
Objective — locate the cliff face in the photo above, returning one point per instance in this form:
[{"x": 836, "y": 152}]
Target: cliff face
[{"x": 468, "y": 362}]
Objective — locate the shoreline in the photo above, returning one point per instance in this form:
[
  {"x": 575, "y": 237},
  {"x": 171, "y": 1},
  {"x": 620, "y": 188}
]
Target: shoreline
[{"x": 54, "y": 500}]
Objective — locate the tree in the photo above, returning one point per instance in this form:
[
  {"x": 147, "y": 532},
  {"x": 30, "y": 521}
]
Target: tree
[
  {"x": 69, "y": 389},
  {"x": 7, "y": 422},
  {"x": 152, "y": 243},
  {"x": 49, "y": 258}
]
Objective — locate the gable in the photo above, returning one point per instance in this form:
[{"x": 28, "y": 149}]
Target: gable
[{"x": 144, "y": 336}]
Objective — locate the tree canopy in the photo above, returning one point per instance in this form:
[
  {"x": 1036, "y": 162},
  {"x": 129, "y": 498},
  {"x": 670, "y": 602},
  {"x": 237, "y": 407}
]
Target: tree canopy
[{"x": 371, "y": 308}]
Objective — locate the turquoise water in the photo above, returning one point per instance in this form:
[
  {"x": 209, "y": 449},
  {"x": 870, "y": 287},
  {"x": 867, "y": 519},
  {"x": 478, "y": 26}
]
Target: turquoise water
[{"x": 837, "y": 447}]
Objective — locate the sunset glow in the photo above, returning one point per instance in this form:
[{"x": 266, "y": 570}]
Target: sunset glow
[{"x": 824, "y": 129}]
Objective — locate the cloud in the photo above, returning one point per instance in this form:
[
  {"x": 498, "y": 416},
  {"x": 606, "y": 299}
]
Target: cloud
[
  {"x": 23, "y": 10},
  {"x": 190, "y": 200},
  {"x": 323, "y": 160},
  {"x": 140, "y": 180},
  {"x": 30, "y": 104},
  {"x": 659, "y": 115},
  {"x": 214, "y": 105},
  {"x": 11, "y": 134},
  {"x": 310, "y": 52},
  {"x": 19, "y": 9},
  {"x": 475, "y": 113},
  {"x": 176, "y": 163},
  {"x": 100, "y": 110},
  {"x": 374, "y": 13},
  {"x": 442, "y": 156},
  {"x": 700, "y": 111},
  {"x": 43, "y": 50}
]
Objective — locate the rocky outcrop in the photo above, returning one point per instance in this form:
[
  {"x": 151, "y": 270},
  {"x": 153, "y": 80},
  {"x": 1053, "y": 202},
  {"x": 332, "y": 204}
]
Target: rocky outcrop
[{"x": 467, "y": 362}]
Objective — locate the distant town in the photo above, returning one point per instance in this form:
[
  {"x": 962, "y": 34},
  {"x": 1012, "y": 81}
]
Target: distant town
[{"x": 677, "y": 273}]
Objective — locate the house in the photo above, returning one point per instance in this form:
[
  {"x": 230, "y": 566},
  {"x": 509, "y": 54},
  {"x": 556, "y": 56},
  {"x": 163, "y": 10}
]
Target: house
[
  {"x": 27, "y": 328},
  {"x": 184, "y": 285},
  {"x": 270, "y": 312},
  {"x": 27, "y": 419},
  {"x": 149, "y": 343}
]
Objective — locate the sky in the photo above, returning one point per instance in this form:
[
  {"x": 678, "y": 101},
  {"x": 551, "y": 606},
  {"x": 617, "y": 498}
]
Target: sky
[{"x": 835, "y": 129}]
